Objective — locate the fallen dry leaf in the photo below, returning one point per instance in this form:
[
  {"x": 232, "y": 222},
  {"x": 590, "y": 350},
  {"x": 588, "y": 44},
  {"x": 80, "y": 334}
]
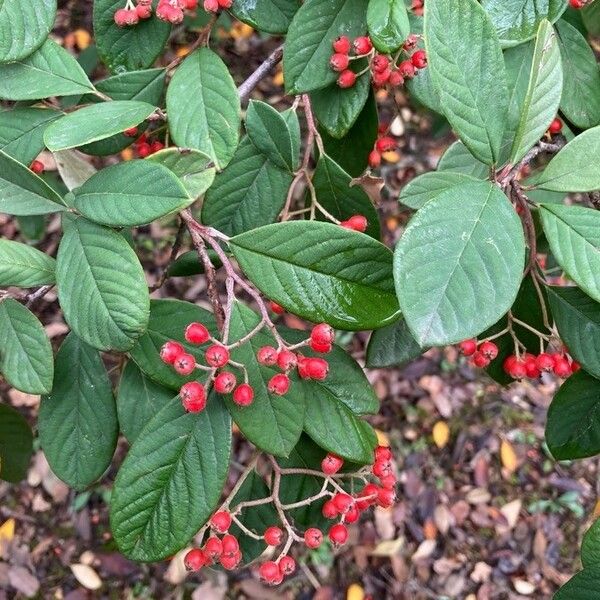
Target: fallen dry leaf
[
  {"x": 86, "y": 576},
  {"x": 355, "y": 592},
  {"x": 525, "y": 588},
  {"x": 425, "y": 550},
  {"x": 441, "y": 434},
  {"x": 508, "y": 456},
  {"x": 23, "y": 581}
]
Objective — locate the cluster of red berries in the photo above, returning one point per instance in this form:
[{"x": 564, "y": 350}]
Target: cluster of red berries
[
  {"x": 167, "y": 10},
  {"x": 384, "y": 69},
  {"x": 384, "y": 143},
  {"x": 214, "y": 5},
  {"x": 142, "y": 146},
  {"x": 555, "y": 127},
  {"x": 37, "y": 166},
  {"x": 523, "y": 365}
]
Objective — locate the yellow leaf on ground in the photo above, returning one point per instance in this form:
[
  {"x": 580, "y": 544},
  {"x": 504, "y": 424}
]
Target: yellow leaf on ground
[
  {"x": 355, "y": 592},
  {"x": 82, "y": 38},
  {"x": 596, "y": 512},
  {"x": 441, "y": 434},
  {"x": 127, "y": 154},
  {"x": 508, "y": 456},
  {"x": 391, "y": 157},
  {"x": 7, "y": 530},
  {"x": 278, "y": 78}
]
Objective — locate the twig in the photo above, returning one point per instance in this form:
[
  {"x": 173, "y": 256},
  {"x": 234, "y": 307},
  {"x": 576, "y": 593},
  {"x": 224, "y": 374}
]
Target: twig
[
  {"x": 201, "y": 40},
  {"x": 172, "y": 257},
  {"x": 32, "y": 298},
  {"x": 263, "y": 70}
]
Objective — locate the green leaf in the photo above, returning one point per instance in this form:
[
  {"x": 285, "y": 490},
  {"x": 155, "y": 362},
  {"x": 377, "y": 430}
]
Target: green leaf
[
  {"x": 79, "y": 418},
  {"x": 573, "y": 424},
  {"x": 338, "y": 108},
  {"x": 574, "y": 237},
  {"x": 189, "y": 263},
  {"x": 456, "y": 271},
  {"x": 168, "y": 320},
  {"x": 458, "y": 159},
  {"x": 95, "y": 122},
  {"x": 591, "y": 18},
  {"x": 273, "y": 423},
  {"x": 580, "y": 100},
  {"x": 208, "y": 119},
  {"x": 568, "y": 172},
  {"x": 421, "y": 89},
  {"x": 387, "y": 21},
  {"x": 293, "y": 123},
  {"x": 49, "y": 71},
  {"x": 590, "y": 546},
  {"x": 517, "y": 21},
  {"x": 307, "y": 49},
  {"x": 101, "y": 286},
  {"x": 26, "y": 358},
  {"x": 268, "y": 131},
  {"x": 127, "y": 48},
  {"x": 430, "y": 185},
  {"x": 24, "y": 193},
  {"x": 577, "y": 318},
  {"x": 16, "y": 445},
  {"x": 131, "y": 193},
  {"x": 392, "y": 346},
  {"x": 250, "y": 192},
  {"x": 24, "y": 266},
  {"x": 194, "y": 169},
  {"x": 22, "y": 131},
  {"x": 24, "y": 25},
  {"x": 468, "y": 71},
  {"x": 336, "y": 194},
  {"x": 321, "y": 272},
  {"x": 171, "y": 480},
  {"x": 582, "y": 586},
  {"x": 269, "y": 16},
  {"x": 138, "y": 400},
  {"x": 543, "y": 93}
]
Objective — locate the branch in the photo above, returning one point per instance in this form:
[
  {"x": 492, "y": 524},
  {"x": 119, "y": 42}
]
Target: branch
[{"x": 262, "y": 71}]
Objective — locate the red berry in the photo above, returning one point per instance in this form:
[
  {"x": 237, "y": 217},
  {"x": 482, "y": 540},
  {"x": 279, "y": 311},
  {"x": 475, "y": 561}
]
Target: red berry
[
  {"x": 479, "y": 360},
  {"x": 132, "y": 131},
  {"x": 396, "y": 78},
  {"x": 144, "y": 2},
  {"x": 383, "y": 453},
  {"x": 339, "y": 62},
  {"x": 407, "y": 69},
  {"x": 224, "y": 382},
  {"x": 267, "y": 355},
  {"x": 196, "y": 333},
  {"x": 331, "y": 464},
  {"x": 380, "y": 79},
  {"x": 230, "y": 561},
  {"x": 419, "y": 59},
  {"x": 322, "y": 348},
  {"x": 170, "y": 351},
  {"x": 230, "y": 545},
  {"x": 144, "y": 150},
  {"x": 317, "y": 368},
  {"x": 468, "y": 347},
  {"x": 286, "y": 360},
  {"x": 411, "y": 42},
  {"x": 278, "y": 310},
  {"x": 381, "y": 468},
  {"x": 356, "y": 223},
  {"x": 352, "y": 514},
  {"x": 195, "y": 559},
  {"x": 213, "y": 547},
  {"x": 531, "y": 368},
  {"x": 279, "y": 384},
  {"x": 329, "y": 510},
  {"x": 269, "y": 572},
  {"x": 221, "y": 521},
  {"x": 342, "y": 502},
  {"x": 322, "y": 333},
  {"x": 489, "y": 350},
  {"x": 346, "y": 79},
  {"x": 342, "y": 44},
  {"x": 287, "y": 565},
  {"x": 388, "y": 482},
  {"x": 225, "y": 3},
  {"x": 211, "y": 6},
  {"x": 303, "y": 367},
  {"x": 156, "y": 147},
  {"x": 577, "y": 4},
  {"x": 193, "y": 396},
  {"x": 370, "y": 491},
  {"x": 37, "y": 166},
  {"x": 184, "y": 364},
  {"x": 124, "y": 17},
  {"x": 273, "y": 536},
  {"x": 338, "y": 534},
  {"x": 216, "y": 355},
  {"x": 362, "y": 45},
  {"x": 562, "y": 368},
  {"x": 514, "y": 367},
  {"x": 313, "y": 537},
  {"x": 575, "y": 366},
  {"x": 243, "y": 395},
  {"x": 143, "y": 11},
  {"x": 556, "y": 126},
  {"x": 385, "y": 144},
  {"x": 544, "y": 362},
  {"x": 374, "y": 159},
  {"x": 380, "y": 63},
  {"x": 385, "y": 497},
  {"x": 191, "y": 4}
]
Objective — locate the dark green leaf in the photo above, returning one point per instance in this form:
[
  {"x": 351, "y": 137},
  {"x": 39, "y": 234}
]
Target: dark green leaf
[
  {"x": 582, "y": 586},
  {"x": 171, "y": 480},
  {"x": 16, "y": 444},
  {"x": 388, "y": 24},
  {"x": 590, "y": 546},
  {"x": 270, "y": 16},
  {"x": 79, "y": 418},
  {"x": 101, "y": 286},
  {"x": 189, "y": 263},
  {"x": 26, "y": 355},
  {"x": 392, "y": 346},
  {"x": 24, "y": 266},
  {"x": 458, "y": 159},
  {"x": 591, "y": 18},
  {"x": 430, "y": 185}
]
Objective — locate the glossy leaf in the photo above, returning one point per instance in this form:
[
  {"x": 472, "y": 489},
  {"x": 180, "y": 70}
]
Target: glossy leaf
[
  {"x": 24, "y": 266},
  {"x": 138, "y": 400},
  {"x": 49, "y": 71},
  {"x": 392, "y": 346},
  {"x": 101, "y": 286},
  {"x": 458, "y": 159},
  {"x": 321, "y": 272},
  {"x": 387, "y": 22},
  {"x": 209, "y": 119},
  {"x": 26, "y": 359},
  {"x": 430, "y": 185},
  {"x": 193, "y": 168},
  {"x": 590, "y": 546},
  {"x": 79, "y": 418},
  {"x": 517, "y": 21},
  {"x": 127, "y": 48},
  {"x": 573, "y": 424},
  {"x": 24, "y": 26},
  {"x": 543, "y": 94},
  {"x": 582, "y": 586},
  {"x": 22, "y": 131},
  {"x": 568, "y": 172},
  {"x": 574, "y": 237},
  {"x": 95, "y": 122},
  {"x": 168, "y": 320},
  {"x": 308, "y": 48},
  {"x": 269, "y": 16},
  {"x": 467, "y": 70},
  {"x": 131, "y": 193},
  {"x": 580, "y": 100},
  {"x": 456, "y": 271},
  {"x": 16, "y": 444},
  {"x": 250, "y": 192},
  {"x": 171, "y": 480},
  {"x": 341, "y": 199}
]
